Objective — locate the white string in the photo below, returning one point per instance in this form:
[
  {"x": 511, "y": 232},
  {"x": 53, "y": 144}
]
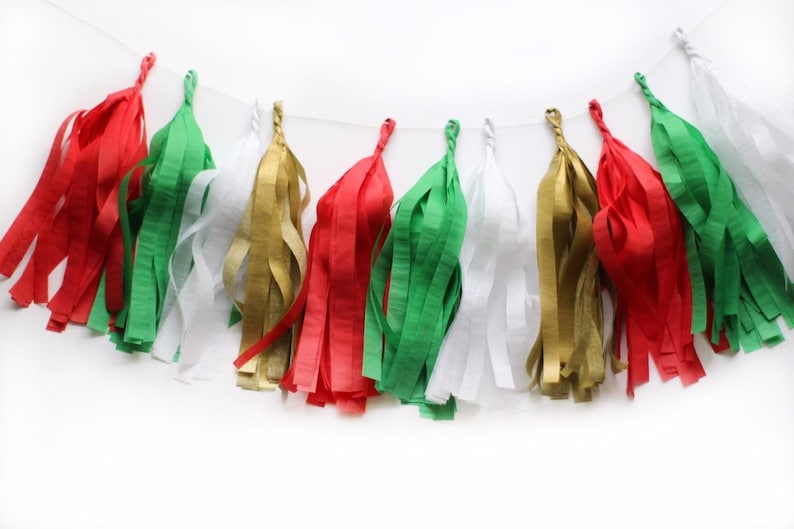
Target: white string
[{"x": 339, "y": 121}]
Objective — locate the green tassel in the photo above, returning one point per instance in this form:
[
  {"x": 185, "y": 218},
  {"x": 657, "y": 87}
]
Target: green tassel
[
  {"x": 419, "y": 263},
  {"x": 178, "y": 153},
  {"x": 730, "y": 257}
]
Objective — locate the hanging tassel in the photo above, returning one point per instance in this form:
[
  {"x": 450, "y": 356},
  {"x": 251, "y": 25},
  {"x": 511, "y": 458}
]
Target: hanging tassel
[
  {"x": 178, "y": 153},
  {"x": 73, "y": 213},
  {"x": 350, "y": 218},
  {"x": 568, "y": 354},
  {"x": 640, "y": 242},
  {"x": 741, "y": 273},
  {"x": 271, "y": 236},
  {"x": 197, "y": 307},
  {"x": 757, "y": 154},
  {"x": 418, "y": 266},
  {"x": 485, "y": 348}
]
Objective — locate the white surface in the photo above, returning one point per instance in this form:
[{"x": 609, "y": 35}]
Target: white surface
[{"x": 93, "y": 438}]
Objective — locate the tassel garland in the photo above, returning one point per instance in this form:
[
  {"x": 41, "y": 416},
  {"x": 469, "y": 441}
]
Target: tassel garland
[{"x": 435, "y": 301}]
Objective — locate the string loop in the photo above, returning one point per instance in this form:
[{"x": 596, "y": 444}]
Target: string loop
[
  {"x": 452, "y": 130},
  {"x": 691, "y": 50},
  {"x": 598, "y": 117},
  {"x": 256, "y": 116},
  {"x": 488, "y": 132},
  {"x": 386, "y": 131},
  {"x": 191, "y": 81},
  {"x": 146, "y": 65},
  {"x": 278, "y": 116}
]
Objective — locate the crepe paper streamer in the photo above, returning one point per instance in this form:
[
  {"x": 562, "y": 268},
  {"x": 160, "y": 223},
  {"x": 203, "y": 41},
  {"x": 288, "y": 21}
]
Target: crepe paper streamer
[
  {"x": 177, "y": 154},
  {"x": 419, "y": 268},
  {"x": 726, "y": 244},
  {"x": 271, "y": 237},
  {"x": 568, "y": 355},
  {"x": 757, "y": 154},
  {"x": 199, "y": 304},
  {"x": 640, "y": 242},
  {"x": 351, "y": 216},
  {"x": 486, "y": 346},
  {"x": 73, "y": 214}
]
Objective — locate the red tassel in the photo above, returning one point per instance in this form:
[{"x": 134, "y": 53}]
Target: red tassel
[
  {"x": 640, "y": 241},
  {"x": 351, "y": 218},
  {"x": 73, "y": 212}
]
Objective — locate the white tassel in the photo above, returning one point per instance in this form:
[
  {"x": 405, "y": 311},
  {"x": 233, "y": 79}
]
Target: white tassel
[
  {"x": 199, "y": 306},
  {"x": 486, "y": 347},
  {"x": 757, "y": 152}
]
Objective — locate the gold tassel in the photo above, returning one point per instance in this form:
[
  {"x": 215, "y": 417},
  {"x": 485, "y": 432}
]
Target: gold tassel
[
  {"x": 271, "y": 235},
  {"x": 568, "y": 355}
]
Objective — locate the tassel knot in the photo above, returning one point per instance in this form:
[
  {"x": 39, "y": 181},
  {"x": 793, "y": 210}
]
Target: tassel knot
[
  {"x": 146, "y": 65},
  {"x": 278, "y": 116},
  {"x": 191, "y": 81},
  {"x": 452, "y": 130},
  {"x": 598, "y": 117},
  {"x": 640, "y": 79},
  {"x": 554, "y": 117},
  {"x": 256, "y": 115},
  {"x": 688, "y": 47},
  {"x": 386, "y": 131},
  {"x": 488, "y": 133}
]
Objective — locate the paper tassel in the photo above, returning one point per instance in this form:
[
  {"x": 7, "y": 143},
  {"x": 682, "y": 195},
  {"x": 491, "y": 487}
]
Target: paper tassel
[
  {"x": 568, "y": 354},
  {"x": 640, "y": 242},
  {"x": 418, "y": 266},
  {"x": 177, "y": 154},
  {"x": 197, "y": 307},
  {"x": 271, "y": 236},
  {"x": 486, "y": 346},
  {"x": 730, "y": 257},
  {"x": 73, "y": 213},
  {"x": 350, "y": 218},
  {"x": 757, "y": 154}
]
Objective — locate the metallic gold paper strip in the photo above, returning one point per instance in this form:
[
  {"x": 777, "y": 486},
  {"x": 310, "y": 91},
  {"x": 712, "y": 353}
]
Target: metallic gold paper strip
[{"x": 237, "y": 253}]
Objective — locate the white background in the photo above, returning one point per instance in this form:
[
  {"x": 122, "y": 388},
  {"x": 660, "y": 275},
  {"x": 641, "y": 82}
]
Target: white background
[{"x": 93, "y": 438}]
